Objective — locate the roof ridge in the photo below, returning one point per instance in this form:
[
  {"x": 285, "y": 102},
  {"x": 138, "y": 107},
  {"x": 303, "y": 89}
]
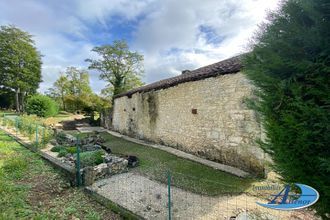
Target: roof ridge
[{"x": 227, "y": 66}]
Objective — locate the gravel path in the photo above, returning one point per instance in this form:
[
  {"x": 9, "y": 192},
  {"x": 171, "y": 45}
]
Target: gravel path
[{"x": 148, "y": 199}]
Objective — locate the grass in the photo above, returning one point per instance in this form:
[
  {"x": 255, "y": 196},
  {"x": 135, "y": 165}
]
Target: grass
[
  {"x": 185, "y": 174},
  {"x": 32, "y": 189}
]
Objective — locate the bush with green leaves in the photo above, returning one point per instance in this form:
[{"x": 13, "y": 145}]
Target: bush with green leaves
[
  {"x": 57, "y": 148},
  {"x": 62, "y": 152},
  {"x": 72, "y": 150},
  {"x": 42, "y": 106},
  {"x": 290, "y": 66},
  {"x": 91, "y": 158}
]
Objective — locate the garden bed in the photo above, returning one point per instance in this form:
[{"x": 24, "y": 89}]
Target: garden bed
[{"x": 87, "y": 153}]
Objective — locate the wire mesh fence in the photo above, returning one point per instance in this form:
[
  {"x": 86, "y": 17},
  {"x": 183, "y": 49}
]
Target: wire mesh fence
[
  {"x": 164, "y": 193},
  {"x": 163, "y": 199},
  {"x": 37, "y": 133}
]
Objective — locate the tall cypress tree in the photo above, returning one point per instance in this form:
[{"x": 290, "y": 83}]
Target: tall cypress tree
[{"x": 290, "y": 66}]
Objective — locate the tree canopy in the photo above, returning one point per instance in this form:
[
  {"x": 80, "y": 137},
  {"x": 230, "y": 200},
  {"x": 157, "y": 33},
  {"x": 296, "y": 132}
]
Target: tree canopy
[
  {"x": 73, "y": 92},
  {"x": 71, "y": 89},
  {"x": 290, "y": 66},
  {"x": 20, "y": 63},
  {"x": 118, "y": 66}
]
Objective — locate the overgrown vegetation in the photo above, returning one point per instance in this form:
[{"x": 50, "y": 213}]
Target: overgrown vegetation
[
  {"x": 73, "y": 93},
  {"x": 91, "y": 158},
  {"x": 186, "y": 174},
  {"x": 42, "y": 106},
  {"x": 290, "y": 65},
  {"x": 32, "y": 189},
  {"x": 29, "y": 125}
]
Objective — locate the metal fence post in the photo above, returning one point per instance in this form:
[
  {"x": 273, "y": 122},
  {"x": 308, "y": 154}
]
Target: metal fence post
[
  {"x": 169, "y": 194},
  {"x": 16, "y": 125},
  {"x": 37, "y": 135},
  {"x": 78, "y": 163},
  {"x": 43, "y": 135}
]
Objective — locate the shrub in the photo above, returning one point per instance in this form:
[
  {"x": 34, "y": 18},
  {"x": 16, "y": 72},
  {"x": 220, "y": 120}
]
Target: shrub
[
  {"x": 42, "y": 106},
  {"x": 91, "y": 158},
  {"x": 72, "y": 150},
  {"x": 63, "y": 152},
  {"x": 57, "y": 149},
  {"x": 290, "y": 66}
]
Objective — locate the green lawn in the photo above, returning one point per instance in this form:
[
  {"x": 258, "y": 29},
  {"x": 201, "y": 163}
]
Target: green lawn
[
  {"x": 31, "y": 189},
  {"x": 186, "y": 174}
]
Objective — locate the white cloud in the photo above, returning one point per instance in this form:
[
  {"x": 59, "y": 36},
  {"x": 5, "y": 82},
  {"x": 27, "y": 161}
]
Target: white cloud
[
  {"x": 177, "y": 24},
  {"x": 168, "y": 32},
  {"x": 100, "y": 10}
]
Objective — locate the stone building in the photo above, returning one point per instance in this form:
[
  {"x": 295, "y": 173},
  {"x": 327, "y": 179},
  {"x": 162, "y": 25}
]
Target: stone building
[{"x": 202, "y": 112}]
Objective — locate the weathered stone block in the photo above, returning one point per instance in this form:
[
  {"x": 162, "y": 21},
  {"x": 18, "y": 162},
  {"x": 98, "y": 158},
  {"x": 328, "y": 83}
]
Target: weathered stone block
[{"x": 222, "y": 120}]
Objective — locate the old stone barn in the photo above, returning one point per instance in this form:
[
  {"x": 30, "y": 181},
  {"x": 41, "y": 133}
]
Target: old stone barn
[{"x": 202, "y": 112}]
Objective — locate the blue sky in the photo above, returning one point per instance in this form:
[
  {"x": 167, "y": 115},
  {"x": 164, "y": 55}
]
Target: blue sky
[{"x": 172, "y": 35}]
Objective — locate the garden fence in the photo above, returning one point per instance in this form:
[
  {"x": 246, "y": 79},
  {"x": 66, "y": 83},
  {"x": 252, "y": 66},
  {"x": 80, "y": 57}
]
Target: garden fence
[
  {"x": 38, "y": 133},
  {"x": 166, "y": 194}
]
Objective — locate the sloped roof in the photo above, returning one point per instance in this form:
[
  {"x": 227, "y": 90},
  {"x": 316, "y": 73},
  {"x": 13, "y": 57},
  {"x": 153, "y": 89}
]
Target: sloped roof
[{"x": 228, "y": 66}]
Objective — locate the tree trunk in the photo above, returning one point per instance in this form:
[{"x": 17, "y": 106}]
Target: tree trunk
[
  {"x": 17, "y": 100},
  {"x": 22, "y": 101},
  {"x": 63, "y": 102}
]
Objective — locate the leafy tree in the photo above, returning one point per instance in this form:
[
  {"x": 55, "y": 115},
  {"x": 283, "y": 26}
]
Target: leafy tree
[
  {"x": 119, "y": 66},
  {"x": 20, "y": 63},
  {"x": 7, "y": 98},
  {"x": 42, "y": 106},
  {"x": 59, "y": 90},
  {"x": 78, "y": 81},
  {"x": 72, "y": 89},
  {"x": 290, "y": 66}
]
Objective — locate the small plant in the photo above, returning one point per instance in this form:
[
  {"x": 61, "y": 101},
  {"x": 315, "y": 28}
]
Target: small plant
[
  {"x": 72, "y": 150},
  {"x": 57, "y": 149},
  {"x": 62, "y": 153},
  {"x": 91, "y": 158},
  {"x": 61, "y": 138}
]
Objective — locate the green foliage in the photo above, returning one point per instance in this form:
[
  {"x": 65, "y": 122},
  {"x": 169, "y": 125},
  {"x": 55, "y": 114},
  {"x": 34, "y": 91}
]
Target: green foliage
[
  {"x": 73, "y": 92},
  {"x": 27, "y": 125},
  {"x": 23, "y": 194},
  {"x": 61, "y": 138},
  {"x": 42, "y": 106},
  {"x": 72, "y": 150},
  {"x": 59, "y": 90},
  {"x": 7, "y": 98},
  {"x": 91, "y": 158},
  {"x": 20, "y": 63},
  {"x": 15, "y": 166},
  {"x": 188, "y": 175},
  {"x": 119, "y": 67},
  {"x": 57, "y": 148},
  {"x": 290, "y": 65},
  {"x": 62, "y": 152}
]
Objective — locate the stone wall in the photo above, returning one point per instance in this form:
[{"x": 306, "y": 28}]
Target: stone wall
[
  {"x": 105, "y": 118},
  {"x": 207, "y": 118}
]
